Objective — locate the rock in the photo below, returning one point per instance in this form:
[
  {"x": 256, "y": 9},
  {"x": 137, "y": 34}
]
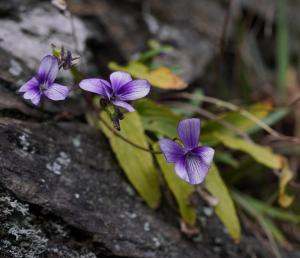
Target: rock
[
  {"x": 41, "y": 165},
  {"x": 193, "y": 27},
  {"x": 38, "y": 25}
]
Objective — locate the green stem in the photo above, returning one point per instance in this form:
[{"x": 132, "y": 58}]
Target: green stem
[{"x": 125, "y": 139}]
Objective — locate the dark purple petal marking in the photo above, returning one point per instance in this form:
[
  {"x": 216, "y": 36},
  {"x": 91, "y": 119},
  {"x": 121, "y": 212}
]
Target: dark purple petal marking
[
  {"x": 172, "y": 150},
  {"x": 124, "y": 105},
  {"x": 98, "y": 86},
  {"x": 180, "y": 169},
  {"x": 133, "y": 90},
  {"x": 118, "y": 79},
  {"x": 48, "y": 70},
  {"x": 57, "y": 92},
  {"x": 31, "y": 84},
  {"x": 189, "y": 132}
]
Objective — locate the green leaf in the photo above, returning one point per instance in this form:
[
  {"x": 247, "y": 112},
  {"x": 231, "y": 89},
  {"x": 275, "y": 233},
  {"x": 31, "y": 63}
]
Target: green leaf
[
  {"x": 244, "y": 202},
  {"x": 181, "y": 189},
  {"x": 265, "y": 209},
  {"x": 263, "y": 155},
  {"x": 138, "y": 165},
  {"x": 226, "y": 158},
  {"x": 225, "y": 210},
  {"x": 157, "y": 118},
  {"x": 271, "y": 119},
  {"x": 282, "y": 47}
]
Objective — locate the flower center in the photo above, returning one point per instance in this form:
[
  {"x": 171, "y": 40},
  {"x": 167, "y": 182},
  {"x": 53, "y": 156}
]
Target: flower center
[
  {"x": 44, "y": 86},
  {"x": 190, "y": 154}
]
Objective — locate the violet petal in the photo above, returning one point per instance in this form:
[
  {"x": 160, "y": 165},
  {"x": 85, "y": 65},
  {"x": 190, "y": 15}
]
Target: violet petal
[
  {"x": 32, "y": 83},
  {"x": 133, "y": 90},
  {"x": 180, "y": 169},
  {"x": 124, "y": 105},
  {"x": 189, "y": 132},
  {"x": 172, "y": 150},
  {"x": 57, "y": 92},
  {"x": 97, "y": 86},
  {"x": 36, "y": 100},
  {"x": 205, "y": 153},
  {"x": 119, "y": 79},
  {"x": 196, "y": 169},
  {"x": 48, "y": 70},
  {"x": 32, "y": 93}
]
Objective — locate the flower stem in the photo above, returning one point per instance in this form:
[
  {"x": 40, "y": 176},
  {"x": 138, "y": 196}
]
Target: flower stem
[{"x": 125, "y": 139}]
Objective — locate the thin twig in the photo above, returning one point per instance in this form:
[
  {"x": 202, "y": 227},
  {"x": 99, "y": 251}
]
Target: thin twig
[
  {"x": 221, "y": 103},
  {"x": 125, "y": 139},
  {"x": 206, "y": 196}
]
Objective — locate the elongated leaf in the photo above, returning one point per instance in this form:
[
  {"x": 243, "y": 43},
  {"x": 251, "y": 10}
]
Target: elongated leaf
[
  {"x": 259, "y": 110},
  {"x": 264, "y": 223},
  {"x": 181, "y": 189},
  {"x": 225, "y": 209},
  {"x": 137, "y": 164},
  {"x": 263, "y": 155},
  {"x": 161, "y": 77},
  {"x": 157, "y": 118},
  {"x": 266, "y": 209}
]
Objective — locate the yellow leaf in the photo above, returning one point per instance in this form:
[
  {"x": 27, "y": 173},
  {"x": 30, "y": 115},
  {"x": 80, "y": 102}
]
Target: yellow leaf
[
  {"x": 181, "y": 189},
  {"x": 225, "y": 210},
  {"x": 286, "y": 175},
  {"x": 161, "y": 77},
  {"x": 263, "y": 155},
  {"x": 164, "y": 78},
  {"x": 137, "y": 164}
]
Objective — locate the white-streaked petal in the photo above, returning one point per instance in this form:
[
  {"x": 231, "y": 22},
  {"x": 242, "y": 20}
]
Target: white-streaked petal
[
  {"x": 180, "y": 169},
  {"x": 205, "y": 153},
  {"x": 95, "y": 85},
  {"x": 57, "y": 92},
  {"x": 124, "y": 105},
  {"x": 196, "y": 169},
  {"x": 119, "y": 79},
  {"x": 36, "y": 100},
  {"x": 133, "y": 90},
  {"x": 30, "y": 94}
]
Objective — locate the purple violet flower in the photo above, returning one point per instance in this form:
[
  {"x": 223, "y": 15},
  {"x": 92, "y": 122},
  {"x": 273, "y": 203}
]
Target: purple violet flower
[
  {"x": 192, "y": 162},
  {"x": 119, "y": 91},
  {"x": 43, "y": 83}
]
